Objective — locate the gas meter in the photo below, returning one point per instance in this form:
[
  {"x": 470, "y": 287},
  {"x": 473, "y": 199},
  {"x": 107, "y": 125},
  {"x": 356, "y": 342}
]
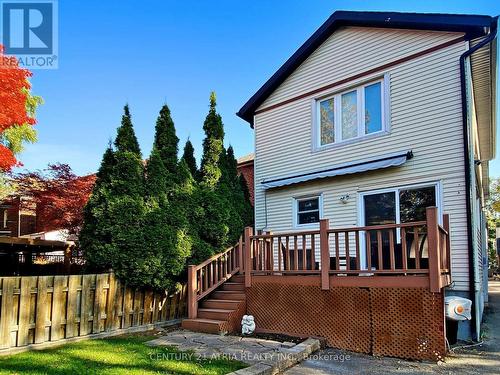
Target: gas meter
[{"x": 457, "y": 308}]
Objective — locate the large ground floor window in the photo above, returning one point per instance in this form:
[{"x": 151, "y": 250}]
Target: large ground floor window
[{"x": 394, "y": 206}]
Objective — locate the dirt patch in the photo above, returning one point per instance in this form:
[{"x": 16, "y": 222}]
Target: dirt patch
[{"x": 278, "y": 337}]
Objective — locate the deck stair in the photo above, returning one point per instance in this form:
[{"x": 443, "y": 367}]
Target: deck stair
[{"x": 221, "y": 310}]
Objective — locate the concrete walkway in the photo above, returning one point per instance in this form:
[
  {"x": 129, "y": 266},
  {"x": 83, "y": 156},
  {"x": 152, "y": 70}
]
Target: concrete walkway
[
  {"x": 481, "y": 359},
  {"x": 208, "y": 346}
]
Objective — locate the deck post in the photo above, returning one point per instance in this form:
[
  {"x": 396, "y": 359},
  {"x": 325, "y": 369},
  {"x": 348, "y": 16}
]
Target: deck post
[
  {"x": 269, "y": 253},
  {"x": 192, "y": 293},
  {"x": 240, "y": 255},
  {"x": 433, "y": 249},
  {"x": 446, "y": 226},
  {"x": 324, "y": 225},
  {"x": 248, "y": 256}
]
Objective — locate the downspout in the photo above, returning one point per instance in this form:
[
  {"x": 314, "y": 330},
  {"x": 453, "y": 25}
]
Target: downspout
[{"x": 472, "y": 271}]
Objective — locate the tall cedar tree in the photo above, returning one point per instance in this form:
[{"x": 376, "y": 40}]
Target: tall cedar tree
[
  {"x": 122, "y": 209},
  {"x": 144, "y": 229},
  {"x": 156, "y": 176},
  {"x": 166, "y": 225},
  {"x": 166, "y": 141},
  {"x": 128, "y": 173},
  {"x": 96, "y": 234},
  {"x": 212, "y": 146},
  {"x": 248, "y": 211},
  {"x": 211, "y": 215},
  {"x": 231, "y": 191},
  {"x": 177, "y": 214},
  {"x": 127, "y": 208},
  {"x": 188, "y": 157},
  {"x": 160, "y": 250},
  {"x": 125, "y": 137}
]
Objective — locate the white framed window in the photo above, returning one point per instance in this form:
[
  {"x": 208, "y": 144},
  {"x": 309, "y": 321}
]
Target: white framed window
[
  {"x": 401, "y": 204},
  {"x": 351, "y": 114},
  {"x": 307, "y": 210},
  {"x": 396, "y": 205}
]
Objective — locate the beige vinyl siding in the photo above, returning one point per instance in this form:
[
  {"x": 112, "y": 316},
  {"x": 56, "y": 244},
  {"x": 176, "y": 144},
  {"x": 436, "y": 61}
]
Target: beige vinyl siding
[
  {"x": 354, "y": 50},
  {"x": 425, "y": 116}
]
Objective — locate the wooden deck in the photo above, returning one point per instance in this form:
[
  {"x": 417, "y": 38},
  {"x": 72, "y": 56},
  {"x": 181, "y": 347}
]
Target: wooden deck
[
  {"x": 408, "y": 255},
  {"x": 383, "y": 285}
]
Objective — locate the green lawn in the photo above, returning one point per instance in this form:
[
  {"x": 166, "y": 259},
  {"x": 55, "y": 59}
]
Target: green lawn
[{"x": 116, "y": 355}]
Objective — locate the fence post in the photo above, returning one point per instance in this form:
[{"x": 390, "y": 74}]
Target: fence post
[
  {"x": 248, "y": 256},
  {"x": 446, "y": 226},
  {"x": 433, "y": 249},
  {"x": 324, "y": 225},
  {"x": 28, "y": 261},
  {"x": 192, "y": 293},
  {"x": 67, "y": 259}
]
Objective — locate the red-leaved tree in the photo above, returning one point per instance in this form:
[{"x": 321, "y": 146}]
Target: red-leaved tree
[
  {"x": 14, "y": 95},
  {"x": 59, "y": 195}
]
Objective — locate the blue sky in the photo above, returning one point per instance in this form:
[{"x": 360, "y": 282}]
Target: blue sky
[{"x": 147, "y": 53}]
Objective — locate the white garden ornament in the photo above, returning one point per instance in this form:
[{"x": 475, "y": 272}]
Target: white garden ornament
[{"x": 247, "y": 325}]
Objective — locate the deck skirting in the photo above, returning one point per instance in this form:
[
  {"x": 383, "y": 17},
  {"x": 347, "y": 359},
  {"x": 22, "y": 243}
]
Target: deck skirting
[{"x": 382, "y": 319}]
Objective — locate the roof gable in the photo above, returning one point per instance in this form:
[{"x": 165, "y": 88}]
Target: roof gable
[{"x": 472, "y": 25}]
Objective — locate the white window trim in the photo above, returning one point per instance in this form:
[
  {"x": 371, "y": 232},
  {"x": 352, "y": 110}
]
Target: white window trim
[
  {"x": 361, "y": 207},
  {"x": 359, "y": 88},
  {"x": 295, "y": 210}
]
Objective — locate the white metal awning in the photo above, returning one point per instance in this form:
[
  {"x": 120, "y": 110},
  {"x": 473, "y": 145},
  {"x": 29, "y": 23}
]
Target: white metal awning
[{"x": 385, "y": 161}]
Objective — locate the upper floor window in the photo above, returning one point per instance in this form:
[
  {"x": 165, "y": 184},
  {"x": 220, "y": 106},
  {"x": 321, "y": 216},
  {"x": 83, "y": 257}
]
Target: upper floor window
[{"x": 351, "y": 114}]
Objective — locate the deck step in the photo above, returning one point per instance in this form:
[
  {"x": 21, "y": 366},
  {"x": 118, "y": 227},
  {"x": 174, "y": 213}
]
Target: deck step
[
  {"x": 216, "y": 314},
  {"x": 228, "y": 295},
  {"x": 204, "y": 325},
  {"x": 238, "y": 278},
  {"x": 220, "y": 304},
  {"x": 232, "y": 286},
  {"x": 221, "y": 310}
]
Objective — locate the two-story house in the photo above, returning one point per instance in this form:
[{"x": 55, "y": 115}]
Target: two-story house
[
  {"x": 372, "y": 145},
  {"x": 376, "y": 117}
]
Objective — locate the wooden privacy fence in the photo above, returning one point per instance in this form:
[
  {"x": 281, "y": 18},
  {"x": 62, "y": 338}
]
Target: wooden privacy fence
[{"x": 38, "y": 309}]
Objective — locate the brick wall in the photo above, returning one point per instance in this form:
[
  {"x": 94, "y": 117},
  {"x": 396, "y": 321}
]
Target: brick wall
[
  {"x": 246, "y": 169},
  {"x": 11, "y": 226}
]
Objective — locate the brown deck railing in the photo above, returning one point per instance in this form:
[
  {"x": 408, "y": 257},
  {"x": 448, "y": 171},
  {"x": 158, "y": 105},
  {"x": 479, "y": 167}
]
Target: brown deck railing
[
  {"x": 419, "y": 248},
  {"x": 415, "y": 248},
  {"x": 213, "y": 272}
]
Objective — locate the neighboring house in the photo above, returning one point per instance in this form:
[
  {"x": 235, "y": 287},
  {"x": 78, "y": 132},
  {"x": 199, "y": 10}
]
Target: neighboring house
[
  {"x": 17, "y": 217},
  {"x": 52, "y": 235},
  {"x": 20, "y": 220},
  {"x": 245, "y": 168},
  {"x": 376, "y": 117},
  {"x": 38, "y": 215}
]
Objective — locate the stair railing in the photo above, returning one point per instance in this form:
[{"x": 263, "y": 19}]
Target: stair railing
[{"x": 205, "y": 277}]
